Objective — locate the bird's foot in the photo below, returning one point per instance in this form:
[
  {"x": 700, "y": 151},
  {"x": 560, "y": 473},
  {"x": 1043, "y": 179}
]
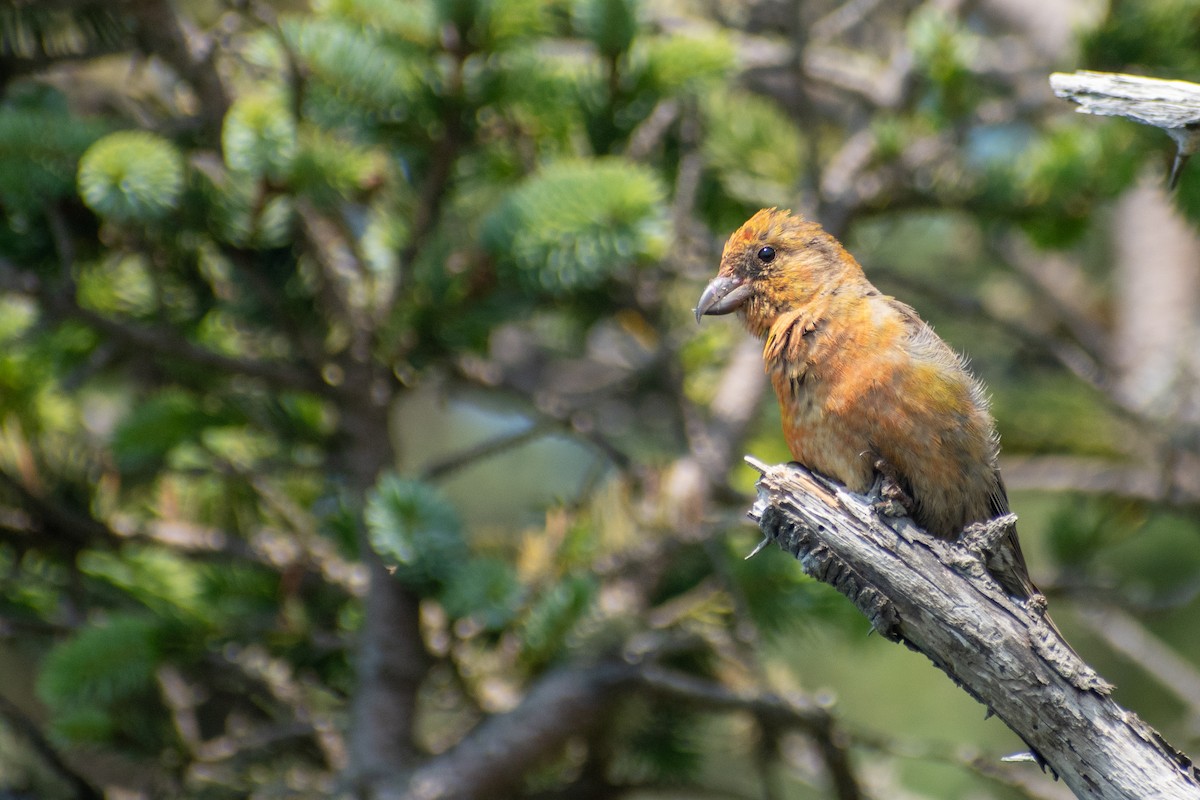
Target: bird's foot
[
  {"x": 887, "y": 496},
  {"x": 985, "y": 538},
  {"x": 1036, "y": 605}
]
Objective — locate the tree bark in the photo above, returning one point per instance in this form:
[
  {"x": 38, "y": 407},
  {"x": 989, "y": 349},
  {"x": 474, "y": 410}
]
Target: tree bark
[
  {"x": 938, "y": 599},
  {"x": 391, "y": 660}
]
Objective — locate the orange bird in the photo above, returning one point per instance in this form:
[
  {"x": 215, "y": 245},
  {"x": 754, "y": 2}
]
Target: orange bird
[{"x": 865, "y": 386}]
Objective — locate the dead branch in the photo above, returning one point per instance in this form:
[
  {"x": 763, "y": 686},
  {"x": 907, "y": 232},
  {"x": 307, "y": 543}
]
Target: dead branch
[
  {"x": 1173, "y": 106},
  {"x": 938, "y": 599}
]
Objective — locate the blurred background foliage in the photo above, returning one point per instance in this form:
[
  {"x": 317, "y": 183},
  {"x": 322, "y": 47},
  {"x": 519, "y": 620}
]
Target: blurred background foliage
[{"x": 350, "y": 392}]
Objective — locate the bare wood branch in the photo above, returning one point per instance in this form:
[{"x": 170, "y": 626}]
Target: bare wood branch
[
  {"x": 1173, "y": 106},
  {"x": 938, "y": 599},
  {"x": 496, "y": 756},
  {"x": 1169, "y": 105}
]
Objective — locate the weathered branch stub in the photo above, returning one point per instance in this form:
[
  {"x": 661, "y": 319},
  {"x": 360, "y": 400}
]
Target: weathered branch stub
[
  {"x": 1173, "y": 106},
  {"x": 937, "y": 598}
]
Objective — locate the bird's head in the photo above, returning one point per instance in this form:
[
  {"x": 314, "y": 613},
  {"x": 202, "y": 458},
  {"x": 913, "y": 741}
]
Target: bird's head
[{"x": 776, "y": 262}]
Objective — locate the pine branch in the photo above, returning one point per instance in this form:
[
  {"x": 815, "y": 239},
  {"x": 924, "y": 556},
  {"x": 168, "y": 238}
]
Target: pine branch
[
  {"x": 164, "y": 32},
  {"x": 55, "y": 520},
  {"x": 168, "y": 343},
  {"x": 938, "y": 599},
  {"x": 497, "y": 755},
  {"x": 157, "y": 341}
]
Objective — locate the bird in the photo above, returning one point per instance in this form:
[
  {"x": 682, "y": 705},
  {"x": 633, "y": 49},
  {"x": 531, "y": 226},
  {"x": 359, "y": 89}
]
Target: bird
[{"x": 867, "y": 390}]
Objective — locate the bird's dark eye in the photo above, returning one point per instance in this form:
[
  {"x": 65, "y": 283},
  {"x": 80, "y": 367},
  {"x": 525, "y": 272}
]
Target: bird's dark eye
[{"x": 766, "y": 255}]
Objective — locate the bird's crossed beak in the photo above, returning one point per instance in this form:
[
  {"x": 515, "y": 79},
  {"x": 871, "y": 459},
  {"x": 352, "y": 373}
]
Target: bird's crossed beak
[{"x": 723, "y": 295}]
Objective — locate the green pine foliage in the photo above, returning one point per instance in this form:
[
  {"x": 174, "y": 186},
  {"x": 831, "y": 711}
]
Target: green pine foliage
[
  {"x": 485, "y": 590},
  {"x": 661, "y": 744},
  {"x": 1162, "y": 39},
  {"x": 1062, "y": 165},
  {"x": 676, "y": 63},
  {"x": 412, "y": 526},
  {"x": 36, "y": 29},
  {"x": 162, "y": 581},
  {"x": 259, "y": 137},
  {"x": 355, "y": 68},
  {"x": 609, "y": 24},
  {"x": 545, "y": 628},
  {"x": 328, "y": 168},
  {"x": 131, "y": 176},
  {"x": 754, "y": 152},
  {"x": 211, "y": 324},
  {"x": 944, "y": 50},
  {"x": 575, "y": 225},
  {"x": 100, "y": 686},
  {"x": 143, "y": 441},
  {"x": 39, "y": 150}
]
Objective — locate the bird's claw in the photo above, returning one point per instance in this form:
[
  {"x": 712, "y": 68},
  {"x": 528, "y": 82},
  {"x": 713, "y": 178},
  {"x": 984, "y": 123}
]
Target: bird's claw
[{"x": 888, "y": 497}]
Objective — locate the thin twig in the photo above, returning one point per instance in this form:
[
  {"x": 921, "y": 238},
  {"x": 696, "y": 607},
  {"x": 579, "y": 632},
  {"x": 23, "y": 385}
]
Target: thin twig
[
  {"x": 485, "y": 449},
  {"x": 20, "y": 722}
]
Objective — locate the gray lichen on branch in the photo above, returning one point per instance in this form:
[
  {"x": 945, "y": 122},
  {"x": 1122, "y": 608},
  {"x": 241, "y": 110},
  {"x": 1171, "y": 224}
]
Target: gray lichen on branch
[{"x": 935, "y": 597}]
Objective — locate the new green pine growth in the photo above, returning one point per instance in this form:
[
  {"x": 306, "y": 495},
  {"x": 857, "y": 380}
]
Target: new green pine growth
[
  {"x": 412, "y": 526},
  {"x": 513, "y": 22},
  {"x": 609, "y": 24},
  {"x": 413, "y": 20},
  {"x": 121, "y": 284},
  {"x": 537, "y": 95},
  {"x": 27, "y": 372},
  {"x": 244, "y": 213},
  {"x": 575, "y": 224},
  {"x": 259, "y": 136},
  {"x": 675, "y": 63},
  {"x": 131, "y": 176}
]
